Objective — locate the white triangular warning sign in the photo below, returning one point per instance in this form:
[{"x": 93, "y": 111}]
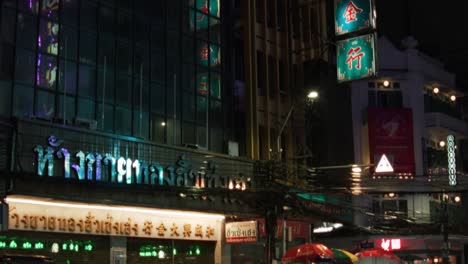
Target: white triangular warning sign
[{"x": 384, "y": 165}]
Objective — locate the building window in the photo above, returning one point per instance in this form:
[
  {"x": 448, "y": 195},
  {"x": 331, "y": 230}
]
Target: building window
[
  {"x": 261, "y": 73},
  {"x": 259, "y": 11},
  {"x": 272, "y": 75},
  {"x": 282, "y": 82},
  {"x": 390, "y": 207},
  {"x": 119, "y": 64},
  {"x": 280, "y": 15},
  {"x": 271, "y": 12},
  {"x": 384, "y": 97}
]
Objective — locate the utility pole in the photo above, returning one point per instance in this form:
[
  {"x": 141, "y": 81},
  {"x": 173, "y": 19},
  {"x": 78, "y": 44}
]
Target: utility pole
[
  {"x": 271, "y": 216},
  {"x": 444, "y": 227}
]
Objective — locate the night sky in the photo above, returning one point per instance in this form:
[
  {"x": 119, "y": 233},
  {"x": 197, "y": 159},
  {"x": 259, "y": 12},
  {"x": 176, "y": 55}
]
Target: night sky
[{"x": 441, "y": 28}]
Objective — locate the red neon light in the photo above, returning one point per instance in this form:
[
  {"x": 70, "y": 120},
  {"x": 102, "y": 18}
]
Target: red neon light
[
  {"x": 390, "y": 244},
  {"x": 396, "y": 243}
]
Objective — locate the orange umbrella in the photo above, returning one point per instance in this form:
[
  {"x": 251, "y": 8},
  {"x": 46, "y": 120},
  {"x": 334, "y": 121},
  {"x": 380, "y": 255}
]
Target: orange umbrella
[{"x": 307, "y": 252}]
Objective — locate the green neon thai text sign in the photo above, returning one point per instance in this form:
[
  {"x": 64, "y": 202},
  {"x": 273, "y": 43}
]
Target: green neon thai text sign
[
  {"x": 353, "y": 15},
  {"x": 356, "y": 58}
]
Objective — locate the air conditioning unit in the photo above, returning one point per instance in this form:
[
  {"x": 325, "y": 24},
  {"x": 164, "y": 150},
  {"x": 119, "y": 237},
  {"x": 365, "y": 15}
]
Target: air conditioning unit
[
  {"x": 85, "y": 123},
  {"x": 233, "y": 148}
]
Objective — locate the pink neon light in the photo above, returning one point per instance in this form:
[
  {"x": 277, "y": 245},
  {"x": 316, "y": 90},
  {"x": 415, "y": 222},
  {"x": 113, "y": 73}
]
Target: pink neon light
[{"x": 390, "y": 244}]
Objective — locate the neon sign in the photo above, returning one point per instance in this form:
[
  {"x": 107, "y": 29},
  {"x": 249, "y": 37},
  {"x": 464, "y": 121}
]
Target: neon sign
[
  {"x": 108, "y": 168},
  {"x": 209, "y": 54},
  {"x": 452, "y": 166},
  {"x": 356, "y": 58},
  {"x": 390, "y": 244},
  {"x": 353, "y": 15},
  {"x": 25, "y": 243},
  {"x": 56, "y": 217},
  {"x": 384, "y": 165},
  {"x": 350, "y": 12},
  {"x": 199, "y": 12}
]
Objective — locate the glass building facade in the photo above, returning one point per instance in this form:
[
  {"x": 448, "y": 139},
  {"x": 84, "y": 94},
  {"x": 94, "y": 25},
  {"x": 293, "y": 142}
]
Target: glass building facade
[{"x": 154, "y": 70}]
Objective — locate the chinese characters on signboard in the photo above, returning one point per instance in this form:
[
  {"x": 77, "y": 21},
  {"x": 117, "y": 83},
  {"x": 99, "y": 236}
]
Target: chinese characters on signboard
[
  {"x": 96, "y": 221},
  {"x": 208, "y": 54},
  {"x": 356, "y": 58},
  {"x": 204, "y": 13},
  {"x": 353, "y": 15}
]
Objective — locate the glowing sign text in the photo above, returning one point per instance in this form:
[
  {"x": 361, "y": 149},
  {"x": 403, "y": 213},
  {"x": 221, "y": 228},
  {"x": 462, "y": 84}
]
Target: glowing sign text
[
  {"x": 452, "y": 166},
  {"x": 390, "y": 244},
  {"x": 106, "y": 167}
]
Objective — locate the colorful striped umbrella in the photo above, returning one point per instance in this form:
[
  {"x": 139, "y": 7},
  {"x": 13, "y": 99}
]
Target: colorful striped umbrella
[{"x": 343, "y": 256}]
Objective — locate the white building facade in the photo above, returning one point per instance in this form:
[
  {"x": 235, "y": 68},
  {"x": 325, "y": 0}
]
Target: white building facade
[{"x": 407, "y": 113}]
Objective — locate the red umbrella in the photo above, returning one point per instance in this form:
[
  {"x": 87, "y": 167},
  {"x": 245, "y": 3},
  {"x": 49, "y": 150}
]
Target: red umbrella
[
  {"x": 377, "y": 252},
  {"x": 307, "y": 252}
]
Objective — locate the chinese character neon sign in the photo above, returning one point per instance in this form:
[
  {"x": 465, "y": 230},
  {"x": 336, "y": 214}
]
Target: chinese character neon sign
[
  {"x": 200, "y": 13},
  {"x": 355, "y": 55},
  {"x": 356, "y": 58},
  {"x": 351, "y": 11},
  {"x": 353, "y": 15}
]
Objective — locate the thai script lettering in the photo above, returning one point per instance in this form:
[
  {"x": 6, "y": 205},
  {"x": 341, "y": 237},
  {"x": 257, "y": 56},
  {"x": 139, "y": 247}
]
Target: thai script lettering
[{"x": 108, "y": 168}]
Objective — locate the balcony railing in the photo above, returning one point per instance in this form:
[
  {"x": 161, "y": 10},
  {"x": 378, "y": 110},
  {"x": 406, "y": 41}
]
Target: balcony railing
[{"x": 436, "y": 105}]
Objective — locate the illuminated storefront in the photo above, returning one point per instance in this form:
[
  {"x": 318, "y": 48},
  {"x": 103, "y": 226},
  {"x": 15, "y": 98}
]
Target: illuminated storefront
[
  {"x": 122, "y": 199},
  {"x": 77, "y": 232},
  {"x": 118, "y": 103}
]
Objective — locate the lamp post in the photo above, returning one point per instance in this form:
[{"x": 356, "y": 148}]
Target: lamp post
[{"x": 311, "y": 97}]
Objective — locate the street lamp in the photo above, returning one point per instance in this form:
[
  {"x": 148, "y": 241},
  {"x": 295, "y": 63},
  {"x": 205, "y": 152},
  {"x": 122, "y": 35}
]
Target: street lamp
[
  {"x": 442, "y": 143},
  {"x": 311, "y": 96}
]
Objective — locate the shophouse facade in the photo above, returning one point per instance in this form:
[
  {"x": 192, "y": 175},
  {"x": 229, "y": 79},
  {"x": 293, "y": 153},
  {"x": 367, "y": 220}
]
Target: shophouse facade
[
  {"x": 117, "y": 122},
  {"x": 410, "y": 113},
  {"x": 128, "y": 136}
]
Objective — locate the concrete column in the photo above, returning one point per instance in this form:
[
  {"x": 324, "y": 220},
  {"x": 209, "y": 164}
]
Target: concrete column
[{"x": 118, "y": 250}]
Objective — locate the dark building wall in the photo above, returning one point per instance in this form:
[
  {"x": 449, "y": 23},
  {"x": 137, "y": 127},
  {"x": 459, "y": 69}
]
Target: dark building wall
[{"x": 329, "y": 119}]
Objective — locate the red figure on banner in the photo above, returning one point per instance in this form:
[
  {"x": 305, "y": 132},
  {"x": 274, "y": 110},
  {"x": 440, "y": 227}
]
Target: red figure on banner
[
  {"x": 351, "y": 11},
  {"x": 354, "y": 54}
]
